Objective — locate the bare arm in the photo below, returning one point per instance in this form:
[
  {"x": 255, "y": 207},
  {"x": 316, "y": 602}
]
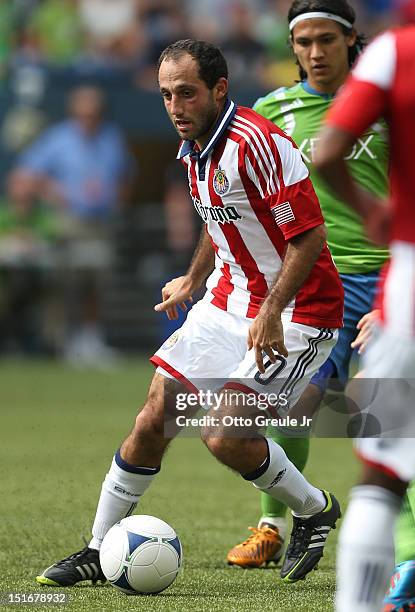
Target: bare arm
[
  {"x": 333, "y": 147},
  {"x": 179, "y": 290},
  {"x": 266, "y": 332},
  {"x": 203, "y": 260},
  {"x": 302, "y": 253}
]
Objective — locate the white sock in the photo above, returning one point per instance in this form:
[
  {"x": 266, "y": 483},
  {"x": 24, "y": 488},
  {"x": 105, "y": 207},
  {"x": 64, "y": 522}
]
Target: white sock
[
  {"x": 122, "y": 488},
  {"x": 365, "y": 555},
  {"x": 280, "y": 478},
  {"x": 276, "y": 521}
]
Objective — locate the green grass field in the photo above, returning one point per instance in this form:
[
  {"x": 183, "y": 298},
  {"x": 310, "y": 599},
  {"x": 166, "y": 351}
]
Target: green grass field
[{"x": 59, "y": 428}]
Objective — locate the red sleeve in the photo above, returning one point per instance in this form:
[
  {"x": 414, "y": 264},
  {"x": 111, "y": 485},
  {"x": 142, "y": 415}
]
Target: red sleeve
[
  {"x": 358, "y": 105},
  {"x": 296, "y": 209}
]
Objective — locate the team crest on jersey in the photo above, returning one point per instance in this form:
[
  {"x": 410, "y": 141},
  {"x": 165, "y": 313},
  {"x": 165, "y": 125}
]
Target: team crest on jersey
[{"x": 221, "y": 183}]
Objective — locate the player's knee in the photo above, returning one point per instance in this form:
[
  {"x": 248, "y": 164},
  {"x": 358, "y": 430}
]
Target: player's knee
[
  {"x": 209, "y": 435},
  {"x": 216, "y": 446},
  {"x": 222, "y": 448}
]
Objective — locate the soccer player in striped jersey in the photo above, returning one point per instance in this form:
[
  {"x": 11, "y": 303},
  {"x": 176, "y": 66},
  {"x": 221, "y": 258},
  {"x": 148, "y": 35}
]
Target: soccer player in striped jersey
[
  {"x": 267, "y": 322},
  {"x": 365, "y": 553},
  {"x": 326, "y": 45}
]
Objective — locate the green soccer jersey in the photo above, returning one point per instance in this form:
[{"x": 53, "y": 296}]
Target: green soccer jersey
[{"x": 299, "y": 111}]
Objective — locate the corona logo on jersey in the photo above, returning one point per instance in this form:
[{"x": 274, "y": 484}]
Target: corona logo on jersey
[
  {"x": 221, "y": 183},
  {"x": 220, "y": 214}
]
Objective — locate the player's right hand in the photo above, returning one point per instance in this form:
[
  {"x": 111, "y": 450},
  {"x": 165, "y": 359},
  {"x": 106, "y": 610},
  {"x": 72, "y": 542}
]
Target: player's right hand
[
  {"x": 175, "y": 294},
  {"x": 365, "y": 327}
]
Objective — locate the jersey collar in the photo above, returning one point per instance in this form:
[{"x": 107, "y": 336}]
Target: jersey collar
[
  {"x": 307, "y": 87},
  {"x": 188, "y": 146}
]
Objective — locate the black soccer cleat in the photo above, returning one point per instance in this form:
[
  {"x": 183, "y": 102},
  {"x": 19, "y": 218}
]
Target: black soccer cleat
[
  {"x": 308, "y": 539},
  {"x": 83, "y": 565}
]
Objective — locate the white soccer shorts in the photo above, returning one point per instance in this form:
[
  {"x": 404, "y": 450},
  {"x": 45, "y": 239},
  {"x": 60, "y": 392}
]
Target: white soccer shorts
[
  {"x": 390, "y": 361},
  {"x": 212, "y": 344}
]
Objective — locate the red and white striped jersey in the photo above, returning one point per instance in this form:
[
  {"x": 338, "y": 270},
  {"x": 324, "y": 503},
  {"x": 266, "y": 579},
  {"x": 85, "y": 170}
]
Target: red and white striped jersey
[
  {"x": 383, "y": 84},
  {"x": 251, "y": 188}
]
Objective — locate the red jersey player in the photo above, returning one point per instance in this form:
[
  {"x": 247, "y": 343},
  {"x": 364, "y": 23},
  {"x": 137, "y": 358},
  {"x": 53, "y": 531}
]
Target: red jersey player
[
  {"x": 382, "y": 84},
  {"x": 273, "y": 293}
]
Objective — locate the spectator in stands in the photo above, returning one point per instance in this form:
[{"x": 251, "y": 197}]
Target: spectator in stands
[
  {"x": 54, "y": 33},
  {"x": 245, "y": 54},
  {"x": 83, "y": 166},
  {"x": 272, "y": 29},
  {"x": 163, "y": 22},
  {"x": 114, "y": 32},
  {"x": 122, "y": 36},
  {"x": 6, "y": 36},
  {"x": 207, "y": 18},
  {"x": 27, "y": 233}
]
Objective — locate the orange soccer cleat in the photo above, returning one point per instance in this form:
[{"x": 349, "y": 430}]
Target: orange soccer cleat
[{"x": 263, "y": 546}]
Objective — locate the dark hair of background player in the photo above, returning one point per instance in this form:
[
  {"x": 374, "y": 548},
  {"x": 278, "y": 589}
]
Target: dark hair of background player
[
  {"x": 212, "y": 64},
  {"x": 341, "y": 8}
]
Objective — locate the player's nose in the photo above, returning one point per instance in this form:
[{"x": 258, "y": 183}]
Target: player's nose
[
  {"x": 316, "y": 51},
  {"x": 176, "y": 108}
]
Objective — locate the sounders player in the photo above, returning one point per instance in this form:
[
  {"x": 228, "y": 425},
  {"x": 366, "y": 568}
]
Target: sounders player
[{"x": 326, "y": 45}]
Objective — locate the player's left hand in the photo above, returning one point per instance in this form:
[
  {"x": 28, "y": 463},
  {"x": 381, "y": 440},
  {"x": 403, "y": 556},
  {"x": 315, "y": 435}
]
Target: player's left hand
[{"x": 266, "y": 335}]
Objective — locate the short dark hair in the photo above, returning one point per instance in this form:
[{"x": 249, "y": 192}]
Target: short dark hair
[
  {"x": 341, "y": 8},
  {"x": 212, "y": 64}
]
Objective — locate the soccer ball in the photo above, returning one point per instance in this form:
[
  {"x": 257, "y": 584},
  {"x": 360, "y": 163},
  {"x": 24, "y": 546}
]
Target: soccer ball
[{"x": 141, "y": 555}]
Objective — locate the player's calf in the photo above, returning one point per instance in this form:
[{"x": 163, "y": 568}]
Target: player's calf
[
  {"x": 146, "y": 443},
  {"x": 240, "y": 454}
]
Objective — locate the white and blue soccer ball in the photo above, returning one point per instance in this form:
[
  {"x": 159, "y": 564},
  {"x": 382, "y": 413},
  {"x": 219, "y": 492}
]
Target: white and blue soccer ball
[{"x": 141, "y": 554}]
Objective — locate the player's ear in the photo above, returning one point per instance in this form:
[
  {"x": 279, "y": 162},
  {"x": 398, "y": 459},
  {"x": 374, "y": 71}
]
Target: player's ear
[
  {"x": 220, "y": 90},
  {"x": 351, "y": 38}
]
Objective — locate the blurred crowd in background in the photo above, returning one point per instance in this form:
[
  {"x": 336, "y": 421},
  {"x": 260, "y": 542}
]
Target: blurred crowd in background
[
  {"x": 92, "y": 36},
  {"x": 94, "y": 213}
]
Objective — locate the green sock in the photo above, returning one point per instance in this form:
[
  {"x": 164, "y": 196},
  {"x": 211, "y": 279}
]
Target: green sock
[
  {"x": 297, "y": 450},
  {"x": 405, "y": 528}
]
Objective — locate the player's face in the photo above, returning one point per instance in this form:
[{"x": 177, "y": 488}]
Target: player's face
[
  {"x": 192, "y": 107},
  {"x": 322, "y": 50}
]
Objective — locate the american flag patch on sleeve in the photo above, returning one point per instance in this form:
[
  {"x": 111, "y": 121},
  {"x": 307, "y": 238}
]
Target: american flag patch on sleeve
[{"x": 283, "y": 213}]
